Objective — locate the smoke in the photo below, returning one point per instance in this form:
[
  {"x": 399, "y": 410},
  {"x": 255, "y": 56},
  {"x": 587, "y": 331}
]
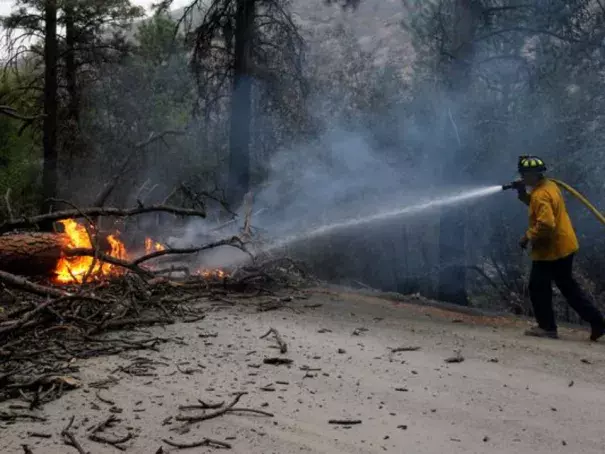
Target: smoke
[
  {"x": 366, "y": 160},
  {"x": 338, "y": 176},
  {"x": 387, "y": 135}
]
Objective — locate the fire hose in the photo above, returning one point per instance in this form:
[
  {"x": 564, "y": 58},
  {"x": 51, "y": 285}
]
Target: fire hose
[
  {"x": 582, "y": 199},
  {"x": 600, "y": 216}
]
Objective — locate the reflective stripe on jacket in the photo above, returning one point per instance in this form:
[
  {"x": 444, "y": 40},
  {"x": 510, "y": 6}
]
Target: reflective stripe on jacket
[{"x": 550, "y": 230}]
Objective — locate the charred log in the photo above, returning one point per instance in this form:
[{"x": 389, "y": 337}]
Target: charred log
[
  {"x": 32, "y": 253},
  {"x": 36, "y": 253}
]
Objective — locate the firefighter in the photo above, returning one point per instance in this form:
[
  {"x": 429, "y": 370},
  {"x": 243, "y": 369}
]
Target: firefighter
[{"x": 553, "y": 247}]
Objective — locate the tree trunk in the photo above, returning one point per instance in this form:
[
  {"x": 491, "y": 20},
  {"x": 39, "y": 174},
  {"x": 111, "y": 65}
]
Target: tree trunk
[
  {"x": 49, "y": 139},
  {"x": 72, "y": 131},
  {"x": 241, "y": 104},
  {"x": 31, "y": 254},
  {"x": 37, "y": 253},
  {"x": 452, "y": 226},
  {"x": 70, "y": 64}
]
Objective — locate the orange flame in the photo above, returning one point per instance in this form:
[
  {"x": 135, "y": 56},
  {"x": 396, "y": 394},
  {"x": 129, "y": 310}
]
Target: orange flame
[
  {"x": 211, "y": 274},
  {"x": 76, "y": 269},
  {"x": 151, "y": 246}
]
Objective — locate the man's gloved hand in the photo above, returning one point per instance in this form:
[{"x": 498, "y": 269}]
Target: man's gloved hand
[
  {"x": 524, "y": 242},
  {"x": 522, "y": 194},
  {"x": 523, "y": 197},
  {"x": 518, "y": 185}
]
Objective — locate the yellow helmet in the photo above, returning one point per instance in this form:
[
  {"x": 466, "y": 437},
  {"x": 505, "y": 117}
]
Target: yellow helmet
[{"x": 531, "y": 164}]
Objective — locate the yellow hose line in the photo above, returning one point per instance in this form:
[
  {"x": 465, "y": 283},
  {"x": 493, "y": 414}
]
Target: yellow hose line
[{"x": 582, "y": 199}]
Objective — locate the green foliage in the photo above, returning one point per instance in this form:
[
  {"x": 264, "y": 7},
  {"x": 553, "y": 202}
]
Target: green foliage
[
  {"x": 20, "y": 152},
  {"x": 19, "y": 166},
  {"x": 91, "y": 33},
  {"x": 156, "y": 39},
  {"x": 101, "y": 28},
  {"x": 99, "y": 25},
  {"x": 148, "y": 92}
]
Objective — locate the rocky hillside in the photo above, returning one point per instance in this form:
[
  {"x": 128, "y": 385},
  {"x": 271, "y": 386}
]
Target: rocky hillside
[{"x": 376, "y": 26}]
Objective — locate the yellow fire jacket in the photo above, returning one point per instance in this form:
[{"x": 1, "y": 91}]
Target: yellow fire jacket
[{"x": 550, "y": 230}]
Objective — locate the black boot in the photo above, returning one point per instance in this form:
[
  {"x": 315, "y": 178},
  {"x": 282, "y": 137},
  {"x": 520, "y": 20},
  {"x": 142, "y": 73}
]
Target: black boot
[
  {"x": 536, "y": 331},
  {"x": 597, "y": 331}
]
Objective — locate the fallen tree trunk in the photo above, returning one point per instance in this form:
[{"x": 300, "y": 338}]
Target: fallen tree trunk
[
  {"x": 37, "y": 253},
  {"x": 31, "y": 253}
]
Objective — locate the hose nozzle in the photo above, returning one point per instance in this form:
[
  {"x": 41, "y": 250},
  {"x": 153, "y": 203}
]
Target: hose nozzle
[{"x": 517, "y": 185}]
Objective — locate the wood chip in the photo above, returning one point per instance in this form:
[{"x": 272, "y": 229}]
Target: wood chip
[
  {"x": 405, "y": 349},
  {"x": 283, "y": 347},
  {"x": 277, "y": 361},
  {"x": 458, "y": 358},
  {"x": 39, "y": 435}
]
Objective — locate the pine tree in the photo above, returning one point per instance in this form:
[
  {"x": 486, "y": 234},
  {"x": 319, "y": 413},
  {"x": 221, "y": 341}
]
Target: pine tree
[
  {"x": 240, "y": 46},
  {"x": 65, "y": 38}
]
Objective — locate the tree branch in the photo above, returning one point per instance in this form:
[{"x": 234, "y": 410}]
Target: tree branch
[
  {"x": 12, "y": 113},
  {"x": 233, "y": 241},
  {"x": 109, "y": 187},
  {"x": 23, "y": 284},
  {"x": 96, "y": 211}
]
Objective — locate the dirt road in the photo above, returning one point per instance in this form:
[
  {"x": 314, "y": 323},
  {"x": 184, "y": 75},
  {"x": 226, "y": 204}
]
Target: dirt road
[{"x": 510, "y": 394}]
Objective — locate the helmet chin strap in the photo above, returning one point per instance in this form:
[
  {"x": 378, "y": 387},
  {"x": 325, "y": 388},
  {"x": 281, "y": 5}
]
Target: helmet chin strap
[{"x": 540, "y": 177}]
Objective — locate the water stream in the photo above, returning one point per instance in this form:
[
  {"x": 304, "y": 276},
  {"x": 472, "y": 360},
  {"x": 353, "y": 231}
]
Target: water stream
[{"x": 449, "y": 200}]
